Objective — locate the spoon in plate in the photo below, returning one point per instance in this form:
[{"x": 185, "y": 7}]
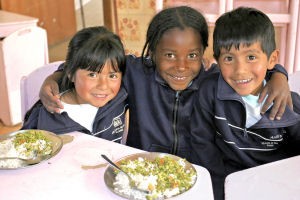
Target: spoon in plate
[
  {"x": 131, "y": 181},
  {"x": 27, "y": 161}
]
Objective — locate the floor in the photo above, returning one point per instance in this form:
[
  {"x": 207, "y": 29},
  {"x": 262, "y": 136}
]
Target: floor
[{"x": 92, "y": 17}]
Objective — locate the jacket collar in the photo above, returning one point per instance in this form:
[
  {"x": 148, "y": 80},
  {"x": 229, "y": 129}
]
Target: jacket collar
[
  {"x": 225, "y": 92},
  {"x": 105, "y": 110}
]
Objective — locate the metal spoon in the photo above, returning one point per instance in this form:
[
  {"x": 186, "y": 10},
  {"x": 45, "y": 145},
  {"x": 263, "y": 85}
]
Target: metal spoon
[
  {"x": 132, "y": 182},
  {"x": 28, "y": 161}
]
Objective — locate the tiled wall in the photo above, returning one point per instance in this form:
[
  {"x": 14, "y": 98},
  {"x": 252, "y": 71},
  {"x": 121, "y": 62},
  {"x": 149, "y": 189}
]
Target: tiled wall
[{"x": 133, "y": 19}]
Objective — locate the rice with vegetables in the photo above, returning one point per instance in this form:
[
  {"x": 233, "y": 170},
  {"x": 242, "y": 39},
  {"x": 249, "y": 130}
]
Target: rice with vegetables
[
  {"x": 163, "y": 177},
  {"x": 23, "y": 145}
]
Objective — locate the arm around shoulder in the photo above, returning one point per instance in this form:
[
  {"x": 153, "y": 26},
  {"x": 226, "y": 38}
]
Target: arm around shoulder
[
  {"x": 49, "y": 92},
  {"x": 276, "y": 91}
]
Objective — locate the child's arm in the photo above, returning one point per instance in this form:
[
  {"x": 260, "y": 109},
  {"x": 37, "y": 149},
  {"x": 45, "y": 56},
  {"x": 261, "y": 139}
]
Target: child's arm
[
  {"x": 278, "y": 91},
  {"x": 49, "y": 93}
]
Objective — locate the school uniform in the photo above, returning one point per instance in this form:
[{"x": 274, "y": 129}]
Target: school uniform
[
  {"x": 109, "y": 121},
  {"x": 160, "y": 118},
  {"x": 224, "y": 142}
]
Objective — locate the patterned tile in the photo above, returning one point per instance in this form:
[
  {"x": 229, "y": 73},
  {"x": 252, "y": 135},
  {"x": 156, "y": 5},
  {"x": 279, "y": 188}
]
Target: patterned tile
[{"x": 133, "y": 19}]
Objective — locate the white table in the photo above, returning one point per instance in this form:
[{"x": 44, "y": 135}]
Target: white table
[
  {"x": 62, "y": 177},
  {"x": 277, "y": 181}
]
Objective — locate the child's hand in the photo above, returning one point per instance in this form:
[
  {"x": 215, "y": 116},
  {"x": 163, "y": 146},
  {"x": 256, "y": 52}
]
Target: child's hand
[
  {"x": 207, "y": 62},
  {"x": 49, "y": 95},
  {"x": 278, "y": 92}
]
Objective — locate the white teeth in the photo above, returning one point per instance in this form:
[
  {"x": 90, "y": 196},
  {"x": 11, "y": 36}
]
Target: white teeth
[
  {"x": 100, "y": 95},
  {"x": 243, "y": 81},
  {"x": 178, "y": 78}
]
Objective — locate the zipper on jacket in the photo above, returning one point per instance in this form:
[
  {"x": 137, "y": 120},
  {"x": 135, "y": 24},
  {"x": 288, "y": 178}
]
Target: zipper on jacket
[
  {"x": 174, "y": 124},
  {"x": 245, "y": 118},
  {"x": 245, "y": 132}
]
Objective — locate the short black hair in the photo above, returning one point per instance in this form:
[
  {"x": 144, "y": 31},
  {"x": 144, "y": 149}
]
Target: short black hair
[
  {"x": 244, "y": 26},
  {"x": 174, "y": 17},
  {"x": 90, "y": 49}
]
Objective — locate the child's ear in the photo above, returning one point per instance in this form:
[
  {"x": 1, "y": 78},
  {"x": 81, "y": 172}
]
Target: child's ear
[{"x": 273, "y": 60}]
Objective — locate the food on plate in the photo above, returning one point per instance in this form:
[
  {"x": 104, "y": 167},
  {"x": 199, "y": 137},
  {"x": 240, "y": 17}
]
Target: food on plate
[
  {"x": 162, "y": 177},
  {"x": 24, "y": 145}
]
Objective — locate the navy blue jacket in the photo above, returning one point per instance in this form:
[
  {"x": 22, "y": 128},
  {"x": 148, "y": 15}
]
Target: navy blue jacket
[
  {"x": 222, "y": 143},
  {"x": 159, "y": 116},
  {"x": 109, "y": 121}
]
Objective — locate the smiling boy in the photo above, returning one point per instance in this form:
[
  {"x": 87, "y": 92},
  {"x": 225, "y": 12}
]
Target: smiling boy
[{"x": 229, "y": 133}]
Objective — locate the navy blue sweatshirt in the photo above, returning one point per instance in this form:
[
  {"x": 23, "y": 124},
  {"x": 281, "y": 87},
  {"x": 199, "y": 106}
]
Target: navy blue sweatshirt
[
  {"x": 109, "y": 122},
  {"x": 222, "y": 143},
  {"x": 160, "y": 118}
]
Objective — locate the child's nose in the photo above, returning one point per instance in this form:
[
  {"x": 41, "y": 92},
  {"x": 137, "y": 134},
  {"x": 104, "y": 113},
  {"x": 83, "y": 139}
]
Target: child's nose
[
  {"x": 239, "y": 66},
  {"x": 102, "y": 82},
  {"x": 181, "y": 64}
]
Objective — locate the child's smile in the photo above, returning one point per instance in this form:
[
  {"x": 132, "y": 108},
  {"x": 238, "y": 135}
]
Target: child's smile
[
  {"x": 244, "y": 69},
  {"x": 96, "y": 88},
  {"x": 178, "y": 57}
]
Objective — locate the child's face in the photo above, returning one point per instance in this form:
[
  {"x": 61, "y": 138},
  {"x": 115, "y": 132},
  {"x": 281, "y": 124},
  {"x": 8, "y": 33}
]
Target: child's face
[
  {"x": 178, "y": 57},
  {"x": 96, "y": 88},
  {"x": 245, "y": 69}
]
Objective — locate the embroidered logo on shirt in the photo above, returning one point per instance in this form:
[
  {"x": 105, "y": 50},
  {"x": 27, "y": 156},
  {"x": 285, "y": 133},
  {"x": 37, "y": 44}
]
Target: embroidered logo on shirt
[
  {"x": 117, "y": 122},
  {"x": 118, "y": 125}
]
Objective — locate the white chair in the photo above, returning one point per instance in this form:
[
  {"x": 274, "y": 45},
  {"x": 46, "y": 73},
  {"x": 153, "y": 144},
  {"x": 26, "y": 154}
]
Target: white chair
[
  {"x": 30, "y": 85},
  {"x": 294, "y": 82}
]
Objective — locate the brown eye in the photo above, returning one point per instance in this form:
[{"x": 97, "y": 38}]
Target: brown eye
[
  {"x": 251, "y": 57},
  {"x": 228, "y": 59},
  {"x": 93, "y": 74},
  {"x": 113, "y": 75},
  {"x": 193, "y": 55},
  {"x": 170, "y": 55}
]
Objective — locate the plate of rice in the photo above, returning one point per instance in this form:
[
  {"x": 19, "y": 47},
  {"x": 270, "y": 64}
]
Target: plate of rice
[
  {"x": 24, "y": 144},
  {"x": 162, "y": 175}
]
